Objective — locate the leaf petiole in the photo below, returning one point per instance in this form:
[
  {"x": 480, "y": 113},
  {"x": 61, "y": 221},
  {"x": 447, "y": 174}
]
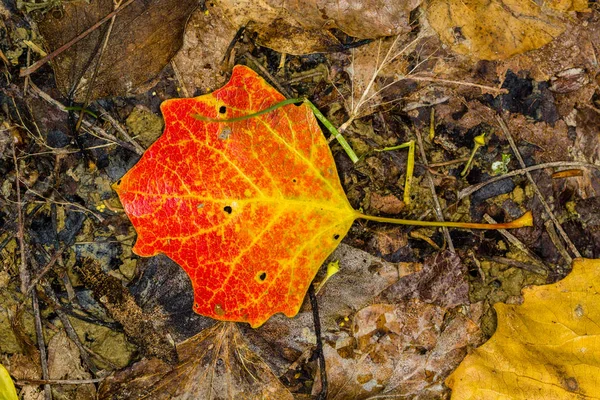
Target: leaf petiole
[
  {"x": 524, "y": 220},
  {"x": 410, "y": 166}
]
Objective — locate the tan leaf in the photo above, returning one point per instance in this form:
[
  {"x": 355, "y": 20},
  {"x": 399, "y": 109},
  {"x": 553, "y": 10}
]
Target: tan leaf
[
  {"x": 398, "y": 350},
  {"x": 64, "y": 362},
  {"x": 145, "y": 36},
  {"x": 498, "y": 29},
  {"x": 216, "y": 363}
]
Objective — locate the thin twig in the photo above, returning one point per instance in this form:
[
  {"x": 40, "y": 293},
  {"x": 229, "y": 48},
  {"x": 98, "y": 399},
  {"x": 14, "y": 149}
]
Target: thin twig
[
  {"x": 266, "y": 74},
  {"x": 25, "y": 382},
  {"x": 69, "y": 328},
  {"x": 460, "y": 83},
  {"x": 115, "y": 124},
  {"x": 23, "y": 272},
  {"x": 451, "y": 162},
  {"x": 35, "y": 66},
  {"x": 319, "y": 349},
  {"x": 44, "y": 271},
  {"x": 181, "y": 83},
  {"x": 517, "y": 264},
  {"x": 571, "y": 164},
  {"x": 90, "y": 88},
  {"x": 513, "y": 240},
  {"x": 41, "y": 344},
  {"x": 547, "y": 208},
  {"x": 557, "y": 243},
  {"x": 436, "y": 201},
  {"x": 96, "y": 129}
]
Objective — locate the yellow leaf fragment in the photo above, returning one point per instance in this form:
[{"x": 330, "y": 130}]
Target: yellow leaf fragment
[
  {"x": 546, "y": 348},
  {"x": 498, "y": 29},
  {"x": 7, "y": 387}
]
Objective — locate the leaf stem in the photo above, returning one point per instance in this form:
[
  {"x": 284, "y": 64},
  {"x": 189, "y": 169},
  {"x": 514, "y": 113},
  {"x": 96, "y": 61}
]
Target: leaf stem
[
  {"x": 256, "y": 114},
  {"x": 334, "y": 132},
  {"x": 525, "y": 220},
  {"x": 410, "y": 166}
]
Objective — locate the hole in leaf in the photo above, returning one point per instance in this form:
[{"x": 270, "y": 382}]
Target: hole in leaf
[
  {"x": 336, "y": 236},
  {"x": 119, "y": 182},
  {"x": 294, "y": 180},
  {"x": 222, "y": 110},
  {"x": 228, "y": 209},
  {"x": 261, "y": 276}
]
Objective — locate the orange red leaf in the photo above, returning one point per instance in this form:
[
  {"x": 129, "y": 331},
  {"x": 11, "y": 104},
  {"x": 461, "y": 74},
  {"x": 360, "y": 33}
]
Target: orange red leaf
[{"x": 249, "y": 209}]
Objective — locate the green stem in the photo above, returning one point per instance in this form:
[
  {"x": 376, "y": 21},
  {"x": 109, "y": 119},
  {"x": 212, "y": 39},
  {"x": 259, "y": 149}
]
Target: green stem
[
  {"x": 525, "y": 220},
  {"x": 341, "y": 140},
  {"x": 334, "y": 132},
  {"x": 256, "y": 114},
  {"x": 79, "y": 108}
]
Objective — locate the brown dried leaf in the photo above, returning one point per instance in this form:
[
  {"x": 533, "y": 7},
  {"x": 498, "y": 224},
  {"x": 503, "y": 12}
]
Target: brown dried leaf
[
  {"x": 441, "y": 281},
  {"x": 199, "y": 62},
  {"x": 389, "y": 241},
  {"x": 307, "y": 24},
  {"x": 498, "y": 29},
  {"x": 64, "y": 362},
  {"x": 145, "y": 329},
  {"x": 145, "y": 36},
  {"x": 360, "y": 279},
  {"x": 388, "y": 204},
  {"x": 216, "y": 363},
  {"x": 402, "y": 350}
]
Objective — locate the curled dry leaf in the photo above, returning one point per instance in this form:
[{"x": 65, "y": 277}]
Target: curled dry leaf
[
  {"x": 545, "y": 348},
  {"x": 145, "y": 36},
  {"x": 498, "y": 29},
  {"x": 215, "y": 364}
]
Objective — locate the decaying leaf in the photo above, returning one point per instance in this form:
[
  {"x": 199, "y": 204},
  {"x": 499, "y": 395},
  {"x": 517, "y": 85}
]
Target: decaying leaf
[
  {"x": 360, "y": 279},
  {"x": 142, "y": 328},
  {"x": 498, "y": 29},
  {"x": 300, "y": 28},
  {"x": 545, "y": 348},
  {"x": 442, "y": 281},
  {"x": 249, "y": 209},
  {"x": 145, "y": 36},
  {"x": 215, "y": 364},
  {"x": 200, "y": 60},
  {"x": 402, "y": 350},
  {"x": 64, "y": 362}
]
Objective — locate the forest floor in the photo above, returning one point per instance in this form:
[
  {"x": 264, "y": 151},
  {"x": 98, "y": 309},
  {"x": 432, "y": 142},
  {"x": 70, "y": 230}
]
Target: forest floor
[{"x": 83, "y": 317}]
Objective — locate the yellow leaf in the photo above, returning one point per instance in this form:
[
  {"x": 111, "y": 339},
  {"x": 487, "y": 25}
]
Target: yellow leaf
[
  {"x": 498, "y": 29},
  {"x": 546, "y": 348},
  {"x": 7, "y": 387}
]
